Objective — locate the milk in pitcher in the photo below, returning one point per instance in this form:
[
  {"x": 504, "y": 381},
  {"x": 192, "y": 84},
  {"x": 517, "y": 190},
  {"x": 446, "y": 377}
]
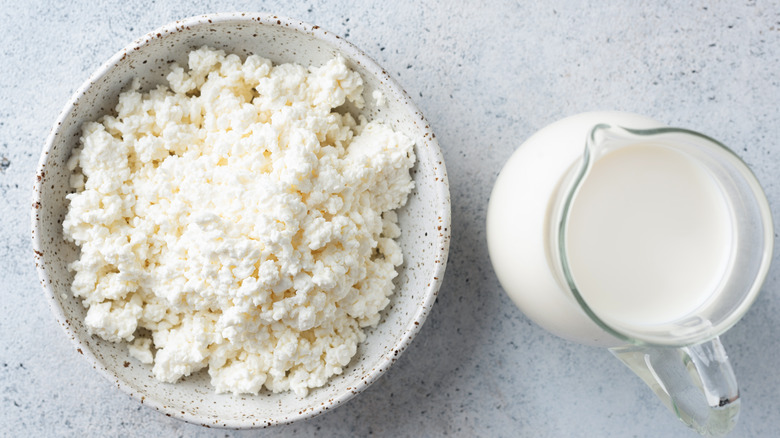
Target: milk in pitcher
[
  {"x": 611, "y": 229},
  {"x": 649, "y": 235}
]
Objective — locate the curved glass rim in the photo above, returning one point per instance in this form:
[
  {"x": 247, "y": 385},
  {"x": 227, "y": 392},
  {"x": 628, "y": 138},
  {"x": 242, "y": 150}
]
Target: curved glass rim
[{"x": 586, "y": 164}]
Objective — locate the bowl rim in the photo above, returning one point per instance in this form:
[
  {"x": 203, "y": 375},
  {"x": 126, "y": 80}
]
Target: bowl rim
[{"x": 350, "y": 51}]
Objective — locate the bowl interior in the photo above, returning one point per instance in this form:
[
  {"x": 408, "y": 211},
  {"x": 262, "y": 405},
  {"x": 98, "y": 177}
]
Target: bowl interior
[{"x": 424, "y": 220}]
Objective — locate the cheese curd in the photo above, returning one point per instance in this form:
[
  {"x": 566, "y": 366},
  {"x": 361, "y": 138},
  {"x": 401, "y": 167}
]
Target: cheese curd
[{"x": 235, "y": 221}]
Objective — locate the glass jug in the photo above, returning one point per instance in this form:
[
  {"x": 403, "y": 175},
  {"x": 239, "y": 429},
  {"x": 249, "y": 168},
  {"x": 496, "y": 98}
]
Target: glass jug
[{"x": 617, "y": 231}]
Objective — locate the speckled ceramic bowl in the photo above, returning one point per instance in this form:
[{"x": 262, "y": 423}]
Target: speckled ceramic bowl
[{"x": 424, "y": 221}]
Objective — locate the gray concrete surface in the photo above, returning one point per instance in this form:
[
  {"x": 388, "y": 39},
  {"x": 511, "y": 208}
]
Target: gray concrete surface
[{"x": 486, "y": 75}]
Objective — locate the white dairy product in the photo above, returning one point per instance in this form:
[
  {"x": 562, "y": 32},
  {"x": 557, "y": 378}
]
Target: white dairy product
[
  {"x": 518, "y": 221},
  {"x": 379, "y": 98},
  {"x": 649, "y": 235},
  {"x": 141, "y": 350},
  {"x": 240, "y": 220}
]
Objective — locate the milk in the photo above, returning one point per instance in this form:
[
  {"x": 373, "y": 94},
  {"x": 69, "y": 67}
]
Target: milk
[
  {"x": 657, "y": 249},
  {"x": 519, "y": 224},
  {"x": 649, "y": 235}
]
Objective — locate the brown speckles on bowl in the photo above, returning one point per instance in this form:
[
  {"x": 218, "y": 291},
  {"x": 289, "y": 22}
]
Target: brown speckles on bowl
[{"x": 282, "y": 40}]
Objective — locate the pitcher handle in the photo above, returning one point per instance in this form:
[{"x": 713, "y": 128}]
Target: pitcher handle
[{"x": 697, "y": 382}]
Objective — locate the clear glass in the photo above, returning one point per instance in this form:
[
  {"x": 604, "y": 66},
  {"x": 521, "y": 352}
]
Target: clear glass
[{"x": 683, "y": 360}]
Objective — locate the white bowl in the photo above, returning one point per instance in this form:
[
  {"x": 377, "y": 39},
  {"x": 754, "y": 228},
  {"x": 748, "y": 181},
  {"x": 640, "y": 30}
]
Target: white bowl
[{"x": 424, "y": 221}]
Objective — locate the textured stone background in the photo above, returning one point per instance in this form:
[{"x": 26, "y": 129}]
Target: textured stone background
[{"x": 487, "y": 75}]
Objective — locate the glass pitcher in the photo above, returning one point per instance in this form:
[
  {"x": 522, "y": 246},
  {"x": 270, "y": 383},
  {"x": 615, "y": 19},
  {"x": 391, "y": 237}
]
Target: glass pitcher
[{"x": 669, "y": 340}]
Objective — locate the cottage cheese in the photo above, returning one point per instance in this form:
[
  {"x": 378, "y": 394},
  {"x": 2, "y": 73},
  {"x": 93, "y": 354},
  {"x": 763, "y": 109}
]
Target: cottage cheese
[{"x": 236, "y": 221}]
